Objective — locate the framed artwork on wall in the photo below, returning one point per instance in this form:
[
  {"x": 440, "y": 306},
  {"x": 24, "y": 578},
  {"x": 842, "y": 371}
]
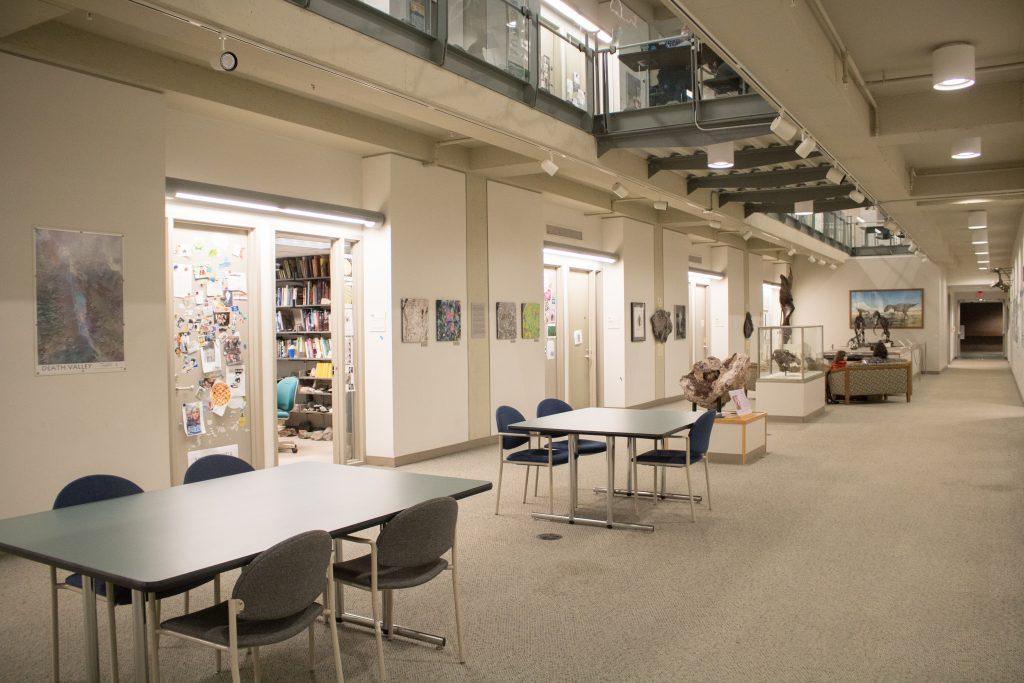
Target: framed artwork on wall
[
  {"x": 414, "y": 321},
  {"x": 638, "y": 321},
  {"x": 680, "y": 321},
  {"x": 505, "y": 316},
  {"x": 904, "y": 308},
  {"x": 530, "y": 319},
  {"x": 448, "y": 320}
]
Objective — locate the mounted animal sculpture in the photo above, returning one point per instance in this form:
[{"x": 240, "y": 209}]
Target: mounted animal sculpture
[{"x": 786, "y": 299}]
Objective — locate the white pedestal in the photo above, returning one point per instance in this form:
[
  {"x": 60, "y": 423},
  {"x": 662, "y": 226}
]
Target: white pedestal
[{"x": 791, "y": 399}]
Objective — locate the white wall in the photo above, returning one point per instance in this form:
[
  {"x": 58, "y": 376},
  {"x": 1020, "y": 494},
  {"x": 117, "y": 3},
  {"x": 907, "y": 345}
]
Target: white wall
[
  {"x": 726, "y": 296},
  {"x": 88, "y": 154},
  {"x": 676, "y": 260},
  {"x": 515, "y": 243},
  {"x": 563, "y": 216},
  {"x": 1015, "y": 348},
  {"x": 822, "y": 297}
]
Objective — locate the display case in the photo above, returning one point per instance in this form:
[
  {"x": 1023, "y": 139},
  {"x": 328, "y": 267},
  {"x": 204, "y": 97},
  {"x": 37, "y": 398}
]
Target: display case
[{"x": 790, "y": 353}]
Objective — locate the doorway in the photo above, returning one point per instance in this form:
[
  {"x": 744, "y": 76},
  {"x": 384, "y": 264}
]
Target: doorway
[
  {"x": 581, "y": 305},
  {"x": 571, "y": 341},
  {"x": 699, "y": 306},
  {"x": 981, "y": 329}
]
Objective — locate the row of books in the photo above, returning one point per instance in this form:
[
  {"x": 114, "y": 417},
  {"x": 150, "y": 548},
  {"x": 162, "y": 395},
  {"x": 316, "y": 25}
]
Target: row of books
[
  {"x": 312, "y": 347},
  {"x": 311, "y": 293},
  {"x": 294, "y": 267},
  {"x": 317, "y": 320}
]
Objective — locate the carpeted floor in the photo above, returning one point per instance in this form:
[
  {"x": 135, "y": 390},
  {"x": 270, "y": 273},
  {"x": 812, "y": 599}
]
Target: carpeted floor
[{"x": 881, "y": 541}]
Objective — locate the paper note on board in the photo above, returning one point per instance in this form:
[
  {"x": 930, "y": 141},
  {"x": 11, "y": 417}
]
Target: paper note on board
[
  {"x": 549, "y": 349},
  {"x": 217, "y": 450},
  {"x": 237, "y": 282},
  {"x": 214, "y": 288},
  {"x": 739, "y": 398},
  {"x": 577, "y": 337},
  {"x": 181, "y": 279}
]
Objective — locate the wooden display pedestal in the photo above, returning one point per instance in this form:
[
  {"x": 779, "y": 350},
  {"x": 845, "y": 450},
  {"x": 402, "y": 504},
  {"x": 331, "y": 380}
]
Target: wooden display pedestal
[{"x": 736, "y": 438}]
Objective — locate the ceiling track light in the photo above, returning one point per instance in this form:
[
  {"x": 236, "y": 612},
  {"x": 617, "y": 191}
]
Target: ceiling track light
[
  {"x": 791, "y": 252},
  {"x": 835, "y": 176},
  {"x": 804, "y": 208},
  {"x": 747, "y": 235},
  {"x": 721, "y": 155},
  {"x": 620, "y": 190},
  {"x": 821, "y": 262},
  {"x": 857, "y": 196},
  {"x": 810, "y": 257},
  {"x": 806, "y": 146},
  {"x": 661, "y": 205},
  {"x": 966, "y": 148},
  {"x": 953, "y": 66},
  {"x": 716, "y": 225},
  {"x": 976, "y": 220},
  {"x": 833, "y": 266},
  {"x": 784, "y": 128},
  {"x": 911, "y": 248},
  {"x": 549, "y": 166}
]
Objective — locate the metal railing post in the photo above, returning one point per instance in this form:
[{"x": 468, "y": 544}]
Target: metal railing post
[
  {"x": 532, "y": 12},
  {"x": 439, "y": 26}
]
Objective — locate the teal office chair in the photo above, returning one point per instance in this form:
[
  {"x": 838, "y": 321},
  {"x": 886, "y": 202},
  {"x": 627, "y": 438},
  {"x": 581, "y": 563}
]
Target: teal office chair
[{"x": 286, "y": 390}]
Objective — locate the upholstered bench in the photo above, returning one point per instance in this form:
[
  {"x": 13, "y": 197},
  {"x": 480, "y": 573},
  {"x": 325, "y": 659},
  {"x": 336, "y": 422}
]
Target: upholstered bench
[{"x": 871, "y": 379}]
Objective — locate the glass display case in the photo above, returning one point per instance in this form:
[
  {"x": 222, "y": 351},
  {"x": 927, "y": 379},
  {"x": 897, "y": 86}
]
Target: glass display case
[{"x": 790, "y": 353}]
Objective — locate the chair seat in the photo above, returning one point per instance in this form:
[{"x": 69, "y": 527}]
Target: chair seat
[
  {"x": 357, "y": 573},
  {"x": 584, "y": 447},
  {"x": 282, "y": 414},
  {"x": 667, "y": 457},
  {"x": 123, "y": 596},
  {"x": 539, "y": 456},
  {"x": 211, "y": 625}
]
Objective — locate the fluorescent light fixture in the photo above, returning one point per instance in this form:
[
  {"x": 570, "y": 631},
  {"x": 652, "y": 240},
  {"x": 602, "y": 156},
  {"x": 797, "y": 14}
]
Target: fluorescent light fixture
[
  {"x": 984, "y": 241},
  {"x": 784, "y": 128},
  {"x": 258, "y": 206},
  {"x": 604, "y": 37},
  {"x": 308, "y": 244},
  {"x": 585, "y": 255},
  {"x": 976, "y": 220},
  {"x": 804, "y": 208},
  {"x": 328, "y": 217},
  {"x": 835, "y": 176},
  {"x": 972, "y": 201},
  {"x": 806, "y": 146},
  {"x": 620, "y": 190},
  {"x": 860, "y": 220},
  {"x": 660, "y": 205},
  {"x": 981, "y": 253},
  {"x": 721, "y": 155},
  {"x": 953, "y": 66},
  {"x": 984, "y": 261},
  {"x": 569, "y": 13},
  {"x": 549, "y": 166},
  {"x": 966, "y": 148},
  {"x": 857, "y": 196},
  {"x": 704, "y": 276},
  {"x": 810, "y": 257},
  {"x": 747, "y": 235}
]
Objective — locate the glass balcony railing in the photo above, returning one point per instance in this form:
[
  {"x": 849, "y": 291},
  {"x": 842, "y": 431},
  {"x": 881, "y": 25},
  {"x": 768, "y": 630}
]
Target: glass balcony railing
[
  {"x": 416, "y": 13},
  {"x": 563, "y": 68},
  {"x": 494, "y": 31}
]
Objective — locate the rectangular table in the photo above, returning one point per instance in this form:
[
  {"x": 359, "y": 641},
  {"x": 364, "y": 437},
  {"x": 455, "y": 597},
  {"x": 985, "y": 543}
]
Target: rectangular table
[
  {"x": 610, "y": 423},
  {"x": 153, "y": 541}
]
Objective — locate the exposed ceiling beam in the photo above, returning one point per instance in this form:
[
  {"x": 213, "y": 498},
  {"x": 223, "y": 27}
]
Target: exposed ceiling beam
[
  {"x": 744, "y": 158},
  {"x": 763, "y": 179},
  {"x": 495, "y": 162},
  {"x": 910, "y": 118},
  {"x": 18, "y": 16},
  {"x": 789, "y": 195},
  {"x": 977, "y": 180},
  {"x": 819, "y": 207}
]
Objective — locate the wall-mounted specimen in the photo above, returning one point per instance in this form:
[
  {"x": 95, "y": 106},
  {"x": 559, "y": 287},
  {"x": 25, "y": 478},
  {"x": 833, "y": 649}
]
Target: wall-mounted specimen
[
  {"x": 786, "y": 299},
  {"x": 680, "y": 321},
  {"x": 661, "y": 325}
]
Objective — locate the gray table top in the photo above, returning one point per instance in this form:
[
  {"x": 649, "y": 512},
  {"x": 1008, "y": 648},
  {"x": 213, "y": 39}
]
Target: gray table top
[
  {"x": 156, "y": 540},
  {"x": 644, "y": 424}
]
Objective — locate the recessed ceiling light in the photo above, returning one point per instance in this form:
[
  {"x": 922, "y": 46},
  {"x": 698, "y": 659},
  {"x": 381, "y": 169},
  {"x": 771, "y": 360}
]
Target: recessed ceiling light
[
  {"x": 980, "y": 242},
  {"x": 721, "y": 155},
  {"x": 953, "y": 66},
  {"x": 983, "y": 268},
  {"x": 976, "y": 220},
  {"x": 981, "y": 253},
  {"x": 804, "y": 208},
  {"x": 966, "y": 148}
]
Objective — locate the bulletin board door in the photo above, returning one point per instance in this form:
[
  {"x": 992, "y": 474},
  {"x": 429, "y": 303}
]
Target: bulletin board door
[{"x": 211, "y": 350}]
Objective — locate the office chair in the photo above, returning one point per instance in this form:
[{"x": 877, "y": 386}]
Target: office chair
[
  {"x": 409, "y": 552},
  {"x": 287, "y": 387},
  {"x": 547, "y": 456},
  {"x": 554, "y": 406},
  {"x": 697, "y": 442},
  {"x": 273, "y": 601}
]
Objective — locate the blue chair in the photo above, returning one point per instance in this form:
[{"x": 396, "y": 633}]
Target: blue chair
[
  {"x": 215, "y": 467},
  {"x": 287, "y": 387},
  {"x": 554, "y": 406},
  {"x": 697, "y": 443},
  {"x": 530, "y": 457}
]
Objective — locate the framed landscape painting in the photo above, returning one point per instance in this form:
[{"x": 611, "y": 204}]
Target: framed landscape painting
[{"x": 903, "y": 307}]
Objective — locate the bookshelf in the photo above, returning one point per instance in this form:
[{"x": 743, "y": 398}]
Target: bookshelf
[{"x": 304, "y": 336}]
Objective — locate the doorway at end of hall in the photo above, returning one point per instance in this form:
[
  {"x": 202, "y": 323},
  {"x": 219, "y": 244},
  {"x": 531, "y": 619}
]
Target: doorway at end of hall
[
  {"x": 981, "y": 329},
  {"x": 570, "y": 329}
]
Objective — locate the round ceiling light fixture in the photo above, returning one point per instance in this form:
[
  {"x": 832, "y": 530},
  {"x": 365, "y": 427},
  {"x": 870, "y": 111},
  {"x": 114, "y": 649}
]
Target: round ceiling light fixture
[
  {"x": 966, "y": 148},
  {"x": 976, "y": 220},
  {"x": 953, "y": 66},
  {"x": 721, "y": 155},
  {"x": 804, "y": 208}
]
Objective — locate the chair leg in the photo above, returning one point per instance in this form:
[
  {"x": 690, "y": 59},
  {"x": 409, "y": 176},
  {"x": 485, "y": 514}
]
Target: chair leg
[
  {"x": 216, "y": 601},
  {"x": 54, "y": 627},
  {"x": 332, "y": 616},
  {"x": 707, "y": 479},
  {"x": 689, "y": 490},
  {"x": 536, "y": 481},
  {"x": 526, "y": 486},
  {"x": 312, "y": 643},
  {"x": 455, "y": 597},
  {"x": 654, "y": 488},
  {"x": 186, "y": 602},
  {"x": 374, "y": 597},
  {"x": 115, "y": 674},
  {"x": 236, "y": 672},
  {"x": 497, "y": 496},
  {"x": 255, "y": 654},
  {"x": 551, "y": 490}
]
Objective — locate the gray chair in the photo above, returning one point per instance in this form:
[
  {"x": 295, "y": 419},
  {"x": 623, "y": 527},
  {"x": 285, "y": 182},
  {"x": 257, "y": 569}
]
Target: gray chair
[
  {"x": 273, "y": 600},
  {"x": 407, "y": 553}
]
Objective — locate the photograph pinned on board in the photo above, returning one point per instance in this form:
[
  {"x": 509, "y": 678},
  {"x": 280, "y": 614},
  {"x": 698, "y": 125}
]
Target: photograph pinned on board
[
  {"x": 210, "y": 357},
  {"x": 235, "y": 378},
  {"x": 530, "y": 320},
  {"x": 222, "y": 318},
  {"x": 449, "y": 320},
  {"x": 202, "y": 271},
  {"x": 220, "y": 394},
  {"x": 232, "y": 350},
  {"x": 193, "y": 418}
]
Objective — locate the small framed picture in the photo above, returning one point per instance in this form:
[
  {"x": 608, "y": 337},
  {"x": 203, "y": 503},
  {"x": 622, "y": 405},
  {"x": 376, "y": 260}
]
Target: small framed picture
[{"x": 638, "y": 321}]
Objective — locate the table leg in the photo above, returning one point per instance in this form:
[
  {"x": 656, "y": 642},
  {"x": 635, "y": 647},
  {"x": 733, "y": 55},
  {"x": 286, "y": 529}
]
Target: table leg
[
  {"x": 91, "y": 637},
  {"x": 139, "y": 635},
  {"x": 611, "y": 481}
]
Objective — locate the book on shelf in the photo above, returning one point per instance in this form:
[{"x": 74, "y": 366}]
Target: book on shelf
[
  {"x": 297, "y": 267},
  {"x": 312, "y": 348},
  {"x": 307, "y": 294},
  {"x": 303, "y": 321}
]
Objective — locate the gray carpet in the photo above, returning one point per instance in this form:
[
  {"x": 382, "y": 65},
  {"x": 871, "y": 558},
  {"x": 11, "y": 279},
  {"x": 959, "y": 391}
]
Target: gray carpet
[{"x": 881, "y": 541}]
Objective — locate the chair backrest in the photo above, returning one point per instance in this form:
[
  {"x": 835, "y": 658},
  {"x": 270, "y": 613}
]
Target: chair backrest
[
  {"x": 418, "y": 535},
  {"x": 214, "y": 467},
  {"x": 553, "y": 406},
  {"x": 505, "y": 416},
  {"x": 700, "y": 432},
  {"x": 286, "y": 578},
  {"x": 286, "y": 389},
  {"x": 94, "y": 488}
]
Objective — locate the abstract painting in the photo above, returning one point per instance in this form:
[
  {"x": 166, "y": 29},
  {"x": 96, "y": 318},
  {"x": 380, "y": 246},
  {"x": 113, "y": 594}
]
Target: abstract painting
[
  {"x": 79, "y": 301},
  {"x": 414, "y": 321},
  {"x": 904, "y": 308},
  {"x": 449, "y": 320},
  {"x": 638, "y": 321},
  {"x": 680, "y": 321},
  {"x": 530, "y": 315},
  {"x": 506, "y": 320}
]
